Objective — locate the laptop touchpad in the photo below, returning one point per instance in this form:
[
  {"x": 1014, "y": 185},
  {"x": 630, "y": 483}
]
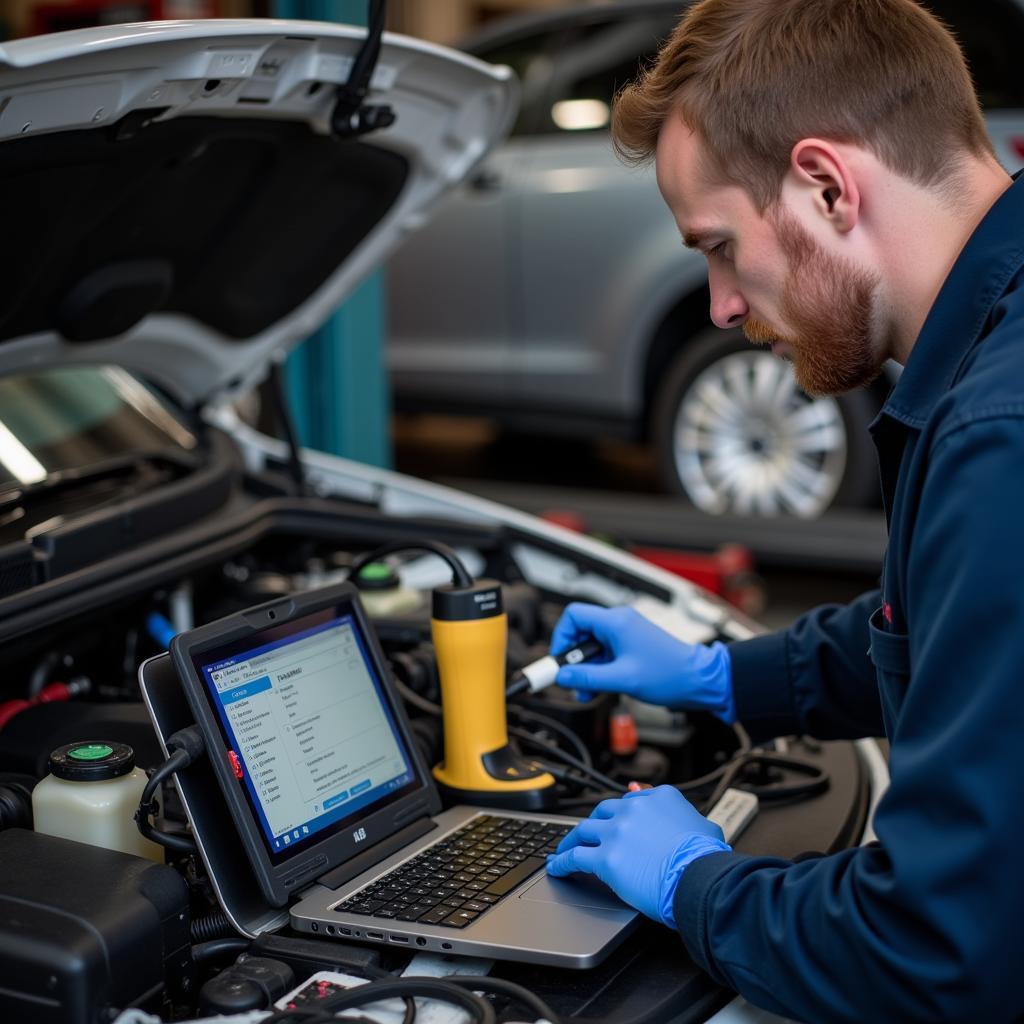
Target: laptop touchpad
[{"x": 584, "y": 891}]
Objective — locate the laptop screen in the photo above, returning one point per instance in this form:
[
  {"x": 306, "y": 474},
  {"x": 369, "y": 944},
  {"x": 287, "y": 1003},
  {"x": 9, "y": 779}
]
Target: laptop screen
[{"x": 310, "y": 734}]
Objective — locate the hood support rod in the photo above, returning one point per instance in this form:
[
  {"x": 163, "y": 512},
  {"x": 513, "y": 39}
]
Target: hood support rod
[{"x": 352, "y": 115}]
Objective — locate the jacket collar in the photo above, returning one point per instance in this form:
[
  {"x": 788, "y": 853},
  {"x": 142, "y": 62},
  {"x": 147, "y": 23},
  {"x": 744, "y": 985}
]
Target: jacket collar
[{"x": 992, "y": 255}]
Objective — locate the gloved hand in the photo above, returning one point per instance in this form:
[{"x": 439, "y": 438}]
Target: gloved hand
[
  {"x": 639, "y": 845},
  {"x": 644, "y": 661}
]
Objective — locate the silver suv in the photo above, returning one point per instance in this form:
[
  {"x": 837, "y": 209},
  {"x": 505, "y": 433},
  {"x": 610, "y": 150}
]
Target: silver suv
[{"x": 552, "y": 292}]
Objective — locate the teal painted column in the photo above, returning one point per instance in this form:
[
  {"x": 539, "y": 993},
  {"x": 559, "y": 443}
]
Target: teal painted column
[{"x": 336, "y": 380}]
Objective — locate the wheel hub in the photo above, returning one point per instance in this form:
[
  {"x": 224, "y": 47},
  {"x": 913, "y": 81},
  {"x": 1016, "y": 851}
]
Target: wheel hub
[{"x": 747, "y": 440}]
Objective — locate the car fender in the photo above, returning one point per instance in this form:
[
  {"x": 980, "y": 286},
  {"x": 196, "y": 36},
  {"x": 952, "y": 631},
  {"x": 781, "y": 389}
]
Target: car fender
[{"x": 656, "y": 274}]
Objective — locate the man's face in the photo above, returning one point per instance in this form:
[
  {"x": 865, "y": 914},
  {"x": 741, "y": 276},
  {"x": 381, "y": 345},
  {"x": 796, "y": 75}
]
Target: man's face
[{"x": 769, "y": 275}]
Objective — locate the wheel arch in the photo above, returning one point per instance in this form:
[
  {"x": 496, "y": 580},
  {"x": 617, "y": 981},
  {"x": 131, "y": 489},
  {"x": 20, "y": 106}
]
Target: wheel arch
[{"x": 681, "y": 321}]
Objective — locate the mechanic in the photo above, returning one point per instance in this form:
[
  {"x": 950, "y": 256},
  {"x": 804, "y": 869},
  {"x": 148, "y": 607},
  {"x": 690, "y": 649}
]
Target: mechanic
[{"x": 830, "y": 159}]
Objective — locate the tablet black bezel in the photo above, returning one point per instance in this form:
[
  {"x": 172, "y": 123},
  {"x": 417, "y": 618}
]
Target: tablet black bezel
[{"x": 279, "y": 875}]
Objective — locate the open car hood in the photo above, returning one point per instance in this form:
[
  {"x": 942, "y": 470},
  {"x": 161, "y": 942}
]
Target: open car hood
[{"x": 182, "y": 207}]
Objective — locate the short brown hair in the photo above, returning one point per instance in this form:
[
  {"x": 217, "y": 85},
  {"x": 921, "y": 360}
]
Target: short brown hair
[{"x": 753, "y": 77}]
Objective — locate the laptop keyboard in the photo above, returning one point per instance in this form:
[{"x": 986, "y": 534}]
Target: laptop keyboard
[{"x": 456, "y": 880}]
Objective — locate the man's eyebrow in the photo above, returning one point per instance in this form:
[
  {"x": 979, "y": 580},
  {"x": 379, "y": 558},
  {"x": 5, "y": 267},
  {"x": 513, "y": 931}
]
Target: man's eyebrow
[{"x": 695, "y": 239}]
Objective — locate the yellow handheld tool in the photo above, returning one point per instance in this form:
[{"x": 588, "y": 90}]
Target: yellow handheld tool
[{"x": 470, "y": 633}]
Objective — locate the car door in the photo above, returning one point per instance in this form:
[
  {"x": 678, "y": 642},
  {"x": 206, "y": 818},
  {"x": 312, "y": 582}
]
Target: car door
[
  {"x": 587, "y": 222},
  {"x": 453, "y": 284}
]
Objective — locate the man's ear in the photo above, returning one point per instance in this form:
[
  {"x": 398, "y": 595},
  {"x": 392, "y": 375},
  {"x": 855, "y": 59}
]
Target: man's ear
[{"x": 825, "y": 179}]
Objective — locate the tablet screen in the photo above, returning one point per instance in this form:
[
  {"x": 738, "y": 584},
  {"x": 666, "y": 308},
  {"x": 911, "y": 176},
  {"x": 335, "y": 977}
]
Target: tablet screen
[{"x": 310, "y": 734}]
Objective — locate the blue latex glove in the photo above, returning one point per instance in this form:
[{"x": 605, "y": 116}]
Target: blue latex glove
[
  {"x": 640, "y": 845},
  {"x": 644, "y": 661}
]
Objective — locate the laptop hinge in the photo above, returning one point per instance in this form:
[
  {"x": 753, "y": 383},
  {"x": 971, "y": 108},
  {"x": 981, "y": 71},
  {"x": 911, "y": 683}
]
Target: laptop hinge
[{"x": 337, "y": 877}]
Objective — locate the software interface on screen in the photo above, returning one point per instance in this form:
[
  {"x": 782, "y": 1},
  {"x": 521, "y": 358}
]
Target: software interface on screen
[{"x": 308, "y": 730}]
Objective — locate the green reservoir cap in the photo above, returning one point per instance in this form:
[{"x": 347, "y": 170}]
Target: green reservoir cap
[
  {"x": 377, "y": 576},
  {"x": 92, "y": 761},
  {"x": 90, "y": 752}
]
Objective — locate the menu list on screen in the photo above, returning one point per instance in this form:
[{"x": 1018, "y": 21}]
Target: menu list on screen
[{"x": 311, "y": 735}]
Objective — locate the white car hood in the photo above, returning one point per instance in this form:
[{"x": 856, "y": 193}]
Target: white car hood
[{"x": 177, "y": 204}]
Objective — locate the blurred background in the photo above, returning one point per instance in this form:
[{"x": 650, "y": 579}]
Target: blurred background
[{"x": 545, "y": 339}]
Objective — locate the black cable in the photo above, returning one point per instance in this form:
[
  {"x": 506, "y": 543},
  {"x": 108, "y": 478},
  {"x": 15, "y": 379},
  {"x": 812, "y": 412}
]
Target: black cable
[
  {"x": 324, "y": 1011},
  {"x": 743, "y": 748},
  {"x": 555, "y": 726},
  {"x": 574, "y": 762},
  {"x": 186, "y": 745},
  {"x": 317, "y": 1015},
  {"x": 443, "y": 990},
  {"x": 204, "y": 951},
  {"x": 460, "y": 574},
  {"x": 415, "y": 699},
  {"x": 818, "y": 778},
  {"x": 730, "y": 773},
  {"x": 499, "y": 986},
  {"x": 148, "y": 807}
]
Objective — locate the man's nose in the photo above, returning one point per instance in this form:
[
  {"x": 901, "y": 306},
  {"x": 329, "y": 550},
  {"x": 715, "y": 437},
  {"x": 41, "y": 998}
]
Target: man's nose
[{"x": 728, "y": 307}]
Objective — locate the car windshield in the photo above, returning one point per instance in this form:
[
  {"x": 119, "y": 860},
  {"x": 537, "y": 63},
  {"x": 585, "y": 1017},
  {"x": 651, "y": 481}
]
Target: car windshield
[{"x": 66, "y": 421}]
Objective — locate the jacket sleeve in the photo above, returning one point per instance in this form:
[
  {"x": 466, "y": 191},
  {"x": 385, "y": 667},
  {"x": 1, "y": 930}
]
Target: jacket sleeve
[
  {"x": 814, "y": 677},
  {"x": 926, "y": 924}
]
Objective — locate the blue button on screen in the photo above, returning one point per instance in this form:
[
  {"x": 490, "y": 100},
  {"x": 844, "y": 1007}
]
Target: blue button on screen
[
  {"x": 360, "y": 787},
  {"x": 333, "y": 801},
  {"x": 248, "y": 689}
]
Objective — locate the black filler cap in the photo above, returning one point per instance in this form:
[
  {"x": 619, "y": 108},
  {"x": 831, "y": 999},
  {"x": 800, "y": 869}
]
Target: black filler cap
[
  {"x": 92, "y": 761},
  {"x": 481, "y": 600}
]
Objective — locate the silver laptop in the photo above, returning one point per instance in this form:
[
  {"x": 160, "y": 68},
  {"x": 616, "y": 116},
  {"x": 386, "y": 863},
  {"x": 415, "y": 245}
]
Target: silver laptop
[{"x": 340, "y": 819}]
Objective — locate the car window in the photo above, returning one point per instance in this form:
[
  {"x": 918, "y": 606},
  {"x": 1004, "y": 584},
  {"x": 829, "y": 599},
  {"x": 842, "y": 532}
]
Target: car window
[
  {"x": 989, "y": 34},
  {"x": 594, "y": 62},
  {"x": 530, "y": 57},
  {"x": 70, "y": 419}
]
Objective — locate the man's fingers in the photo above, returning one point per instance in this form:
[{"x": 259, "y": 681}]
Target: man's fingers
[
  {"x": 578, "y": 622},
  {"x": 593, "y": 677},
  {"x": 607, "y": 808},
  {"x": 579, "y": 858},
  {"x": 588, "y": 831}
]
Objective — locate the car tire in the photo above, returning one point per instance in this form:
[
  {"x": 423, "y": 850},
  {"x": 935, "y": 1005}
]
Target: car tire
[{"x": 734, "y": 434}]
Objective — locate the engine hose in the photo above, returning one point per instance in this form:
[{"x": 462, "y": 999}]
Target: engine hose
[
  {"x": 16, "y": 801},
  {"x": 212, "y": 926}
]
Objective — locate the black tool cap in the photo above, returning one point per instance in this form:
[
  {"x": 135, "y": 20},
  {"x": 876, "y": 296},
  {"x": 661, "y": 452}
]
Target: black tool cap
[
  {"x": 92, "y": 761},
  {"x": 481, "y": 600}
]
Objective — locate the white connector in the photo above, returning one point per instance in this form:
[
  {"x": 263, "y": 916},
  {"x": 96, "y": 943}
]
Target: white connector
[{"x": 734, "y": 812}]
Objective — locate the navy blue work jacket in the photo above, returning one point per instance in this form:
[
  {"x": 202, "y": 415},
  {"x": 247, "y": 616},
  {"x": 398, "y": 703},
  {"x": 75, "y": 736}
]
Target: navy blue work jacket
[{"x": 928, "y": 923}]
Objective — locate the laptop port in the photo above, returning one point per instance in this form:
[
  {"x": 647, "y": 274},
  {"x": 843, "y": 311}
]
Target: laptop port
[
  {"x": 421, "y": 941},
  {"x": 446, "y": 945},
  {"x": 344, "y": 931},
  {"x": 398, "y": 938},
  {"x": 375, "y": 935},
  {"x": 330, "y": 929}
]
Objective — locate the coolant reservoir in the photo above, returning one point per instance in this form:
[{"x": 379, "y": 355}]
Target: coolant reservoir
[
  {"x": 91, "y": 795},
  {"x": 383, "y": 594}
]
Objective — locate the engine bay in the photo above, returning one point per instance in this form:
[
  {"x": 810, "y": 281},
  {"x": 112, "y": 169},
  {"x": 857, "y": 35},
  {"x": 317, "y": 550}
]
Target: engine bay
[{"x": 75, "y": 679}]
